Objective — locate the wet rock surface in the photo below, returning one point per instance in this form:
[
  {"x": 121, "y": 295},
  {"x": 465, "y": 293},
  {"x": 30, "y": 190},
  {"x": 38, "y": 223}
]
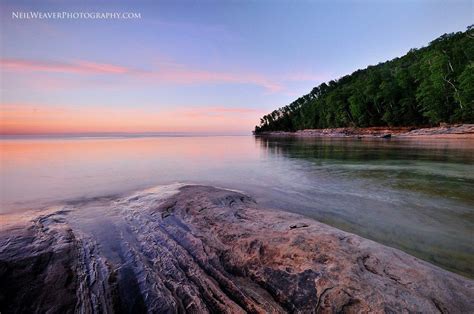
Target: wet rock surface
[{"x": 202, "y": 249}]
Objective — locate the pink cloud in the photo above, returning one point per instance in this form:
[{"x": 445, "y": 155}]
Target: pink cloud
[
  {"x": 103, "y": 67},
  {"x": 80, "y": 67},
  {"x": 166, "y": 72},
  {"x": 180, "y": 74}
]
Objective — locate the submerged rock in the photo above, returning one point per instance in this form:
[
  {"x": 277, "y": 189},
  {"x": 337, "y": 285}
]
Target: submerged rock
[{"x": 203, "y": 249}]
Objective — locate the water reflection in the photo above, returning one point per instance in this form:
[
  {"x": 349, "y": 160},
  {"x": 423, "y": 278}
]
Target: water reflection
[
  {"x": 415, "y": 195},
  {"x": 412, "y": 194},
  {"x": 455, "y": 150}
]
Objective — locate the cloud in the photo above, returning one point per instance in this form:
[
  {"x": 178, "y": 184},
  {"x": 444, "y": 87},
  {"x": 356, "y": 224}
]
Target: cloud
[
  {"x": 165, "y": 73},
  {"x": 191, "y": 76},
  {"x": 79, "y": 67}
]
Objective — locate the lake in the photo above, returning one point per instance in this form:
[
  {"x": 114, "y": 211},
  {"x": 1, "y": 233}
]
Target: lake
[{"x": 413, "y": 194}]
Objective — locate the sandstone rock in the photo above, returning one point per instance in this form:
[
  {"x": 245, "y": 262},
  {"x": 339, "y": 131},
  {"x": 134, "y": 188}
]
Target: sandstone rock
[
  {"x": 443, "y": 131},
  {"x": 298, "y": 225},
  {"x": 206, "y": 249}
]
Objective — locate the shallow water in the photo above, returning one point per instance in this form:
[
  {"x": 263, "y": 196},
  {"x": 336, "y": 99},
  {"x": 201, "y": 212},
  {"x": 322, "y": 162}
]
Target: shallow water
[{"x": 413, "y": 194}]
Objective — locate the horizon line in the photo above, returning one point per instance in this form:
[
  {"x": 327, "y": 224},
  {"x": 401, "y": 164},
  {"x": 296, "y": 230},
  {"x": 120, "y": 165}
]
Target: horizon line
[{"x": 126, "y": 134}]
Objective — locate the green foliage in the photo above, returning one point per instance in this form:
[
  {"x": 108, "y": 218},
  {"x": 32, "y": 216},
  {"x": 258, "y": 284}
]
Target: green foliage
[
  {"x": 425, "y": 87},
  {"x": 465, "y": 94}
]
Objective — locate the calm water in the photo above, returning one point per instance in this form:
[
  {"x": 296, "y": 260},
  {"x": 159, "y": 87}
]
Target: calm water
[{"x": 416, "y": 195}]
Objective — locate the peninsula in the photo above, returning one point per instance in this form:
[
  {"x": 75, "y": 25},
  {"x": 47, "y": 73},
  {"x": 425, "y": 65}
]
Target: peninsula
[{"x": 425, "y": 87}]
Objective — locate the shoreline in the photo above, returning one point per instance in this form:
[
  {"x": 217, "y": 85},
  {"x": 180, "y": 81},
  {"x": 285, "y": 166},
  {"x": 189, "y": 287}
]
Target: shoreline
[
  {"x": 198, "y": 248},
  {"x": 455, "y": 131}
]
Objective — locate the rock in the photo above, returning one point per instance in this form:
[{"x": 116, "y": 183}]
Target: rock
[
  {"x": 298, "y": 225},
  {"x": 234, "y": 256},
  {"x": 165, "y": 214},
  {"x": 443, "y": 131}
]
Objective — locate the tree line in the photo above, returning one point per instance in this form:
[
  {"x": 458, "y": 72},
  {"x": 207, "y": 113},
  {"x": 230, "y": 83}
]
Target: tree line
[{"x": 426, "y": 86}]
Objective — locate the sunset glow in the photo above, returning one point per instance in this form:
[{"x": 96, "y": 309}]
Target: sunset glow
[
  {"x": 182, "y": 67},
  {"x": 37, "y": 119}
]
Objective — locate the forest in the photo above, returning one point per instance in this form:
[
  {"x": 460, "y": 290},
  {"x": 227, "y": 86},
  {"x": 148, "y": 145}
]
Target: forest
[{"x": 425, "y": 87}]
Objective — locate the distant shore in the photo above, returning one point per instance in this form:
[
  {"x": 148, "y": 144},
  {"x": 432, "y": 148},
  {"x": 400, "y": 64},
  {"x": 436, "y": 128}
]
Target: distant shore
[{"x": 443, "y": 131}]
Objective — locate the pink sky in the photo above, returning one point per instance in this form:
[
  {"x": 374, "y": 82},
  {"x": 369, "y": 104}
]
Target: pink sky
[
  {"x": 185, "y": 66},
  {"x": 40, "y": 75},
  {"x": 40, "y": 119}
]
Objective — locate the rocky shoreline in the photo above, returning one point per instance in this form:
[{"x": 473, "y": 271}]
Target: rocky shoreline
[
  {"x": 203, "y": 249},
  {"x": 443, "y": 131}
]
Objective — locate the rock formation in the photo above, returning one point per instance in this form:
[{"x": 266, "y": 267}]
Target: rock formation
[{"x": 203, "y": 249}]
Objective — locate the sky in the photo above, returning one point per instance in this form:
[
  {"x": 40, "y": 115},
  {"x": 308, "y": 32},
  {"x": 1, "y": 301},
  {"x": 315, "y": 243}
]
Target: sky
[{"x": 194, "y": 66}]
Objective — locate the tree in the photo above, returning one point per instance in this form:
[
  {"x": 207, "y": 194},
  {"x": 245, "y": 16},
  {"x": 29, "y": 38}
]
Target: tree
[
  {"x": 466, "y": 95},
  {"x": 426, "y": 86}
]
